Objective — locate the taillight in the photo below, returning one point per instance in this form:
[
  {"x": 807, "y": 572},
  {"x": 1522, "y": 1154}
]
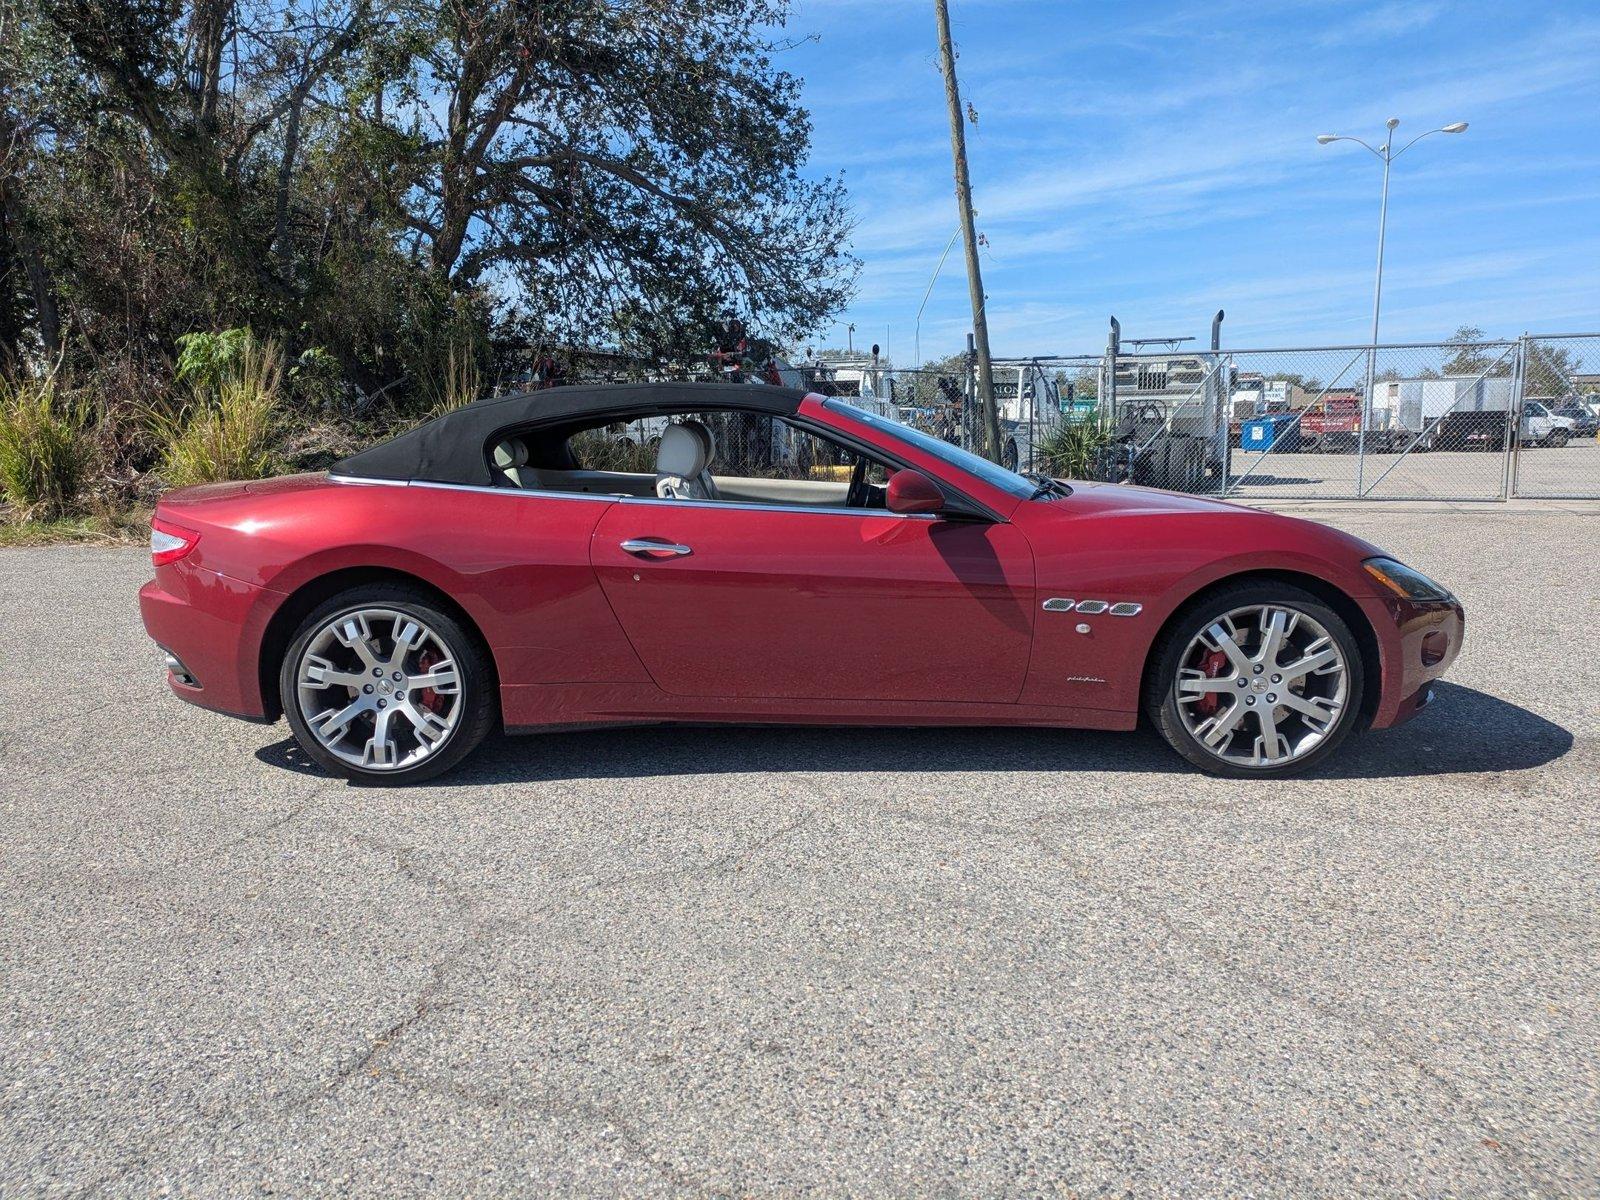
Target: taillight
[{"x": 169, "y": 542}]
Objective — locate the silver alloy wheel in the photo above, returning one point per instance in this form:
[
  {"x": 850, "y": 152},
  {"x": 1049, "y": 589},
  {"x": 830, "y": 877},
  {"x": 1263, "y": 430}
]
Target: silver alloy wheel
[
  {"x": 1262, "y": 686},
  {"x": 363, "y": 669}
]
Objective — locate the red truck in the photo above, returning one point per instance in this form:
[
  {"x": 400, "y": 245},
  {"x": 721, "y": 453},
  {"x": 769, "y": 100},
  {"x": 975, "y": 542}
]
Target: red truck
[{"x": 1333, "y": 424}]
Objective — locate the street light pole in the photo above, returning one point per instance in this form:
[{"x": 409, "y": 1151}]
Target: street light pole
[
  {"x": 917, "y": 332},
  {"x": 1388, "y": 154},
  {"x": 1383, "y": 226}
]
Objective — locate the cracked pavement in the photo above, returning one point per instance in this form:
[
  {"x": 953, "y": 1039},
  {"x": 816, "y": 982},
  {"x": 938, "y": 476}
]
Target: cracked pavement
[{"x": 773, "y": 962}]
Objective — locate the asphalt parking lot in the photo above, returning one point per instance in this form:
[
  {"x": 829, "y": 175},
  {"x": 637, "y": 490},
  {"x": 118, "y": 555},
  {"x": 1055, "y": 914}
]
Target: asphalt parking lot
[{"x": 770, "y": 962}]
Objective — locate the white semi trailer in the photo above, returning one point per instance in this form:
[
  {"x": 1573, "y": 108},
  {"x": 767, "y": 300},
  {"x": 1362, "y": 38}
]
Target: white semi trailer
[{"x": 1459, "y": 412}]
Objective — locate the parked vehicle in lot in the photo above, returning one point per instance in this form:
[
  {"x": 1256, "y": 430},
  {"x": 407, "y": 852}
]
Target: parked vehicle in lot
[
  {"x": 1332, "y": 423},
  {"x": 1542, "y": 427},
  {"x": 1028, "y": 404},
  {"x": 475, "y": 573},
  {"x": 1462, "y": 412},
  {"x": 1584, "y": 422}
]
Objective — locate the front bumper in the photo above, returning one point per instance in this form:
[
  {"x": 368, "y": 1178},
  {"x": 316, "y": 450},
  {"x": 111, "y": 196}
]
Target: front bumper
[
  {"x": 212, "y": 625},
  {"x": 1416, "y": 645}
]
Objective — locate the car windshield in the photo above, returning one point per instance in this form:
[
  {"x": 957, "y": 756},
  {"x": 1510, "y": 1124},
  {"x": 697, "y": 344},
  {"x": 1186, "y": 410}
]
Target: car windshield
[{"x": 990, "y": 473}]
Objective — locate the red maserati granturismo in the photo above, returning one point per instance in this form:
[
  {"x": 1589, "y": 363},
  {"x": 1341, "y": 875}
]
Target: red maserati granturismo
[{"x": 678, "y": 552}]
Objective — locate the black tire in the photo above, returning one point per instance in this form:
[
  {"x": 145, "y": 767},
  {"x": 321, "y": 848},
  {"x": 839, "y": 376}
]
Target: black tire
[
  {"x": 480, "y": 707},
  {"x": 1558, "y": 438},
  {"x": 1160, "y": 694}
]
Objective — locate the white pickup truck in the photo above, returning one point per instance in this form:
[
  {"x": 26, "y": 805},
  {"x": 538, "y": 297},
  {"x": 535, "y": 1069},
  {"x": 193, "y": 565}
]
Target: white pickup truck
[{"x": 1541, "y": 427}]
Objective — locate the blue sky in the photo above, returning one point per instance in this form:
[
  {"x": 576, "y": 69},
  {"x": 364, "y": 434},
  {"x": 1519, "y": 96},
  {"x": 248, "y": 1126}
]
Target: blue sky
[{"x": 1158, "y": 161}]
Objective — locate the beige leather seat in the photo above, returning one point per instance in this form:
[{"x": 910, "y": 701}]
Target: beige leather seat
[
  {"x": 510, "y": 456},
  {"x": 683, "y": 463}
]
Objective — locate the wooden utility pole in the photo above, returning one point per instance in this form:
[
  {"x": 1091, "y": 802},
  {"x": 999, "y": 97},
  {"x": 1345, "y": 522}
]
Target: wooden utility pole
[{"x": 958, "y": 149}]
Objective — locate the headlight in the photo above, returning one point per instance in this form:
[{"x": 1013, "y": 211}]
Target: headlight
[{"x": 1403, "y": 581}]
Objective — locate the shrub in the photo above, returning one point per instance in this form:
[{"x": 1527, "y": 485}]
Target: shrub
[
  {"x": 1072, "y": 449},
  {"x": 44, "y": 448},
  {"x": 206, "y": 359},
  {"x": 226, "y": 430},
  {"x": 315, "y": 380}
]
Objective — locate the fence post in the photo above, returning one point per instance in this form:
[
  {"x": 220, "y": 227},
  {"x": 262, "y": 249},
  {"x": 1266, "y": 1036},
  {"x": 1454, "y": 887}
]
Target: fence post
[
  {"x": 1519, "y": 388},
  {"x": 1366, "y": 420},
  {"x": 1222, "y": 392}
]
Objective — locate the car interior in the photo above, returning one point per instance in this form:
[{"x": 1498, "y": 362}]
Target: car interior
[{"x": 732, "y": 456}]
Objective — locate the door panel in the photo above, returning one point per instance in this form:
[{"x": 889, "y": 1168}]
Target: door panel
[{"x": 788, "y": 603}]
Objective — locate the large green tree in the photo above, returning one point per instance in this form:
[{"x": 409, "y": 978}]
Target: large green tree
[
  {"x": 629, "y": 167},
  {"x": 393, "y": 178}
]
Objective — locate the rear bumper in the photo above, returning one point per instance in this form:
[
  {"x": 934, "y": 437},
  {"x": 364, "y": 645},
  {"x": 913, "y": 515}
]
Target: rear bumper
[
  {"x": 212, "y": 624},
  {"x": 1416, "y": 644}
]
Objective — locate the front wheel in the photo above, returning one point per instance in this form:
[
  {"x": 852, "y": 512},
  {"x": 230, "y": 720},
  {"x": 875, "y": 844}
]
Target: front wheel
[
  {"x": 1557, "y": 439},
  {"x": 1256, "y": 681},
  {"x": 380, "y": 685}
]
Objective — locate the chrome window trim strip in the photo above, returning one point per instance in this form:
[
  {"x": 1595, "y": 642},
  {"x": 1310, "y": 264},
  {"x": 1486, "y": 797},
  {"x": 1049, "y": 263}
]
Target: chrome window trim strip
[
  {"x": 750, "y": 506},
  {"x": 613, "y": 498},
  {"x": 470, "y": 487}
]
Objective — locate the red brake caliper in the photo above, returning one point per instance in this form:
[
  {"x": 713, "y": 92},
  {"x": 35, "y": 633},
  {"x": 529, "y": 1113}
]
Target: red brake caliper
[
  {"x": 1213, "y": 665},
  {"x": 426, "y": 661}
]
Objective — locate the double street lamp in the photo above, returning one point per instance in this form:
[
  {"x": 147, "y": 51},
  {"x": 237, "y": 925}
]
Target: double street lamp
[{"x": 1388, "y": 154}]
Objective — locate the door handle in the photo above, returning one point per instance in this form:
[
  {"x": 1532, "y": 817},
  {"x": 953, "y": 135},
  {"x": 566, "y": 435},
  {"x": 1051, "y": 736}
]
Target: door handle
[{"x": 650, "y": 548}]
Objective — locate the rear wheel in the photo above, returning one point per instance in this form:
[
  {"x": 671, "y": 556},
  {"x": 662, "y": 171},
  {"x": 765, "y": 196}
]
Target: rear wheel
[
  {"x": 1558, "y": 438},
  {"x": 380, "y": 685},
  {"x": 1256, "y": 681}
]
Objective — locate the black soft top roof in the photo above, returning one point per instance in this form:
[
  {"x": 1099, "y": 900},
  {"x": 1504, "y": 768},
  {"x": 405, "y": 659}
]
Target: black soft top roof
[{"x": 455, "y": 447}]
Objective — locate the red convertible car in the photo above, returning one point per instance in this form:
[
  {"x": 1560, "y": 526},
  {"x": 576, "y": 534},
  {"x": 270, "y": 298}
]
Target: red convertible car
[{"x": 720, "y": 553}]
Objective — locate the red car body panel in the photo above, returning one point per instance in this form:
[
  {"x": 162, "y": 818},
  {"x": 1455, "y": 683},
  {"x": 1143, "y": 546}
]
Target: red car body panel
[
  {"x": 791, "y": 604},
  {"x": 777, "y": 614}
]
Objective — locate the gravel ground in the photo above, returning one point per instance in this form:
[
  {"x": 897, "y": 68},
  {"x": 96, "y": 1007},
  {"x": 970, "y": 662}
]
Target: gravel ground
[{"x": 776, "y": 962}]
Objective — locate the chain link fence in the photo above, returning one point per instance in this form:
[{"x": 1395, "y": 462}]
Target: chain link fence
[
  {"x": 1482, "y": 420},
  {"x": 1560, "y": 378}
]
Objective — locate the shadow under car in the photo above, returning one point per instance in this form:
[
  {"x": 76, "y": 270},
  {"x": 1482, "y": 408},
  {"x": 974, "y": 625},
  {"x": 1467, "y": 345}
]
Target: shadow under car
[{"x": 1462, "y": 731}]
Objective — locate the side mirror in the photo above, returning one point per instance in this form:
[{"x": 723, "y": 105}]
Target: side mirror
[{"x": 913, "y": 492}]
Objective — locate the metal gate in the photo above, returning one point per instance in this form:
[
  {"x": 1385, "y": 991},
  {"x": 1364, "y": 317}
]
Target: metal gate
[
  {"x": 1482, "y": 420},
  {"x": 1558, "y": 372}
]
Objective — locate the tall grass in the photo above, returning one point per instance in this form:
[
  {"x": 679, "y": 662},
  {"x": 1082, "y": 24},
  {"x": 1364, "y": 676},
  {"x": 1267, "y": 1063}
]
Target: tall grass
[
  {"x": 227, "y": 428},
  {"x": 44, "y": 447},
  {"x": 602, "y": 450},
  {"x": 462, "y": 381}
]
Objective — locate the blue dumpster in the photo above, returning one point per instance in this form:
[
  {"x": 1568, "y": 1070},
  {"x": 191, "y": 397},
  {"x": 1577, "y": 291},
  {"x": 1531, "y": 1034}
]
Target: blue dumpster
[{"x": 1279, "y": 431}]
